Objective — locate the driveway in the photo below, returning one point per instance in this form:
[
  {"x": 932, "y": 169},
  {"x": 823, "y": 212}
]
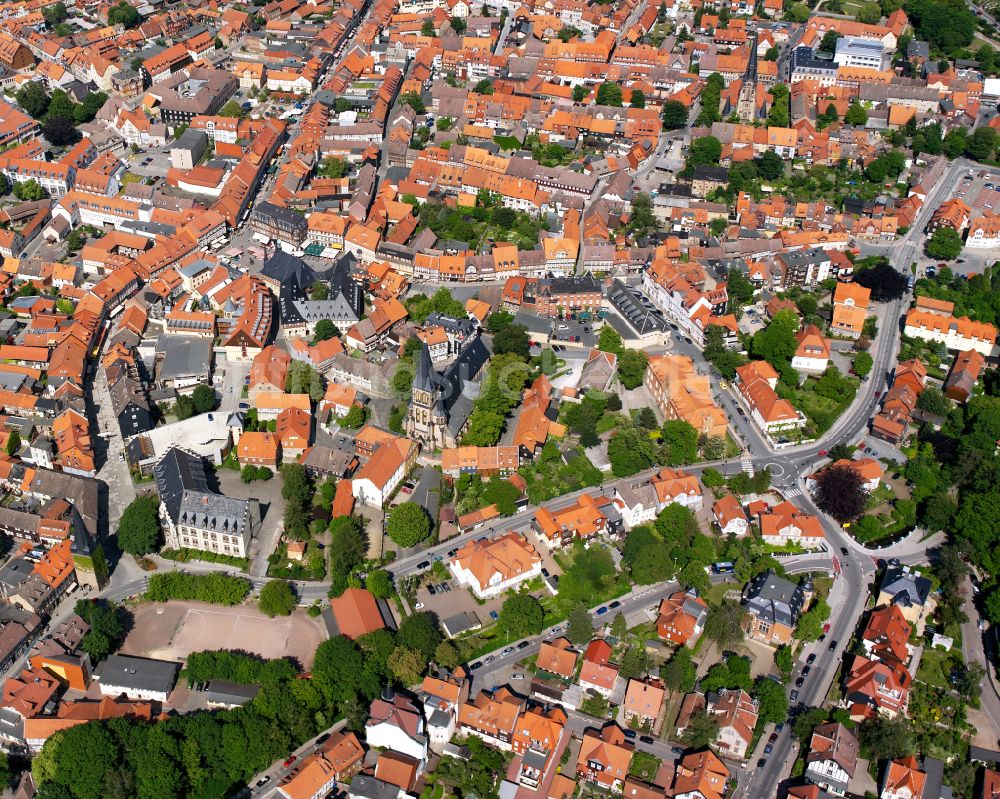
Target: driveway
[{"x": 268, "y": 492}]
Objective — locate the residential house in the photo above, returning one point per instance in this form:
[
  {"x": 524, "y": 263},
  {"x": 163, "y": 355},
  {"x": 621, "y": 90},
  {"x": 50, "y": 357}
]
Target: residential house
[
  {"x": 580, "y": 521},
  {"x": 773, "y": 605},
  {"x": 965, "y": 371},
  {"x": 492, "y": 718},
  {"x": 904, "y": 779},
  {"x": 872, "y": 687},
  {"x": 957, "y": 334},
  {"x": 908, "y": 590},
  {"x": 813, "y": 353},
  {"x": 378, "y": 478},
  {"x": 730, "y": 516},
  {"x": 786, "y": 524},
  {"x": 537, "y": 736},
  {"x": 643, "y": 703},
  {"x": 756, "y": 382},
  {"x": 396, "y": 723},
  {"x": 681, "y": 618},
  {"x": 557, "y": 657},
  {"x": 832, "y": 758},
  {"x": 442, "y": 695},
  {"x": 680, "y": 392},
  {"x": 886, "y": 635},
  {"x": 736, "y": 714},
  {"x": 605, "y": 757},
  {"x": 354, "y": 613},
  {"x": 700, "y": 775},
  {"x": 338, "y": 759},
  {"x": 850, "y": 309},
  {"x": 493, "y": 566}
]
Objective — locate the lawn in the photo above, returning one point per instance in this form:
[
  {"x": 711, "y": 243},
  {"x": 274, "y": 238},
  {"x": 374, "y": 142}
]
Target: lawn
[
  {"x": 644, "y": 766},
  {"x": 507, "y": 142},
  {"x": 607, "y": 422},
  {"x": 935, "y": 666}
]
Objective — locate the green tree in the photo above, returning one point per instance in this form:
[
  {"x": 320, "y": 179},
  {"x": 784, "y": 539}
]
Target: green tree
[
  {"x": 619, "y": 627},
  {"x": 277, "y": 598},
  {"x": 776, "y": 343},
  {"x": 945, "y": 243},
  {"x": 869, "y": 13},
  {"x": 447, "y": 655},
  {"x": 408, "y": 524},
  {"x": 797, "y": 12},
  {"x": 580, "y": 626},
  {"x": 334, "y": 168},
  {"x": 770, "y": 165},
  {"x": 379, "y": 582},
  {"x": 856, "y": 114},
  {"x": 579, "y": 94},
  {"x": 862, "y": 364},
  {"x": 772, "y": 702},
  {"x": 75, "y": 760},
  {"x": 406, "y": 665},
  {"x": 784, "y": 660},
  {"x": 483, "y": 87},
  {"x": 637, "y": 100},
  {"x": 13, "y": 442},
  {"x": 982, "y": 143},
  {"x": 125, "y": 15},
  {"x": 302, "y": 378},
  {"x": 107, "y": 627},
  {"x": 724, "y": 624},
  {"x": 324, "y": 330},
  {"x": 630, "y": 450},
  {"x": 413, "y": 100},
  {"x": 203, "y": 398},
  {"x": 712, "y": 478},
  {"x": 33, "y": 99},
  {"x": 609, "y": 340},
  {"x": 828, "y": 44},
  {"x": 679, "y": 442},
  {"x": 701, "y": 730},
  {"x": 419, "y": 631},
  {"x": 810, "y": 626},
  {"x": 520, "y": 616},
  {"x": 427, "y": 29},
  {"x": 675, "y": 115},
  {"x": 632, "y": 368},
  {"x": 355, "y": 418},
  {"x": 679, "y": 673},
  {"x": 705, "y": 151},
  {"x": 139, "y": 526},
  {"x": 29, "y": 190},
  {"x": 779, "y": 115},
  {"x": 884, "y": 738},
  {"x": 609, "y": 94}
]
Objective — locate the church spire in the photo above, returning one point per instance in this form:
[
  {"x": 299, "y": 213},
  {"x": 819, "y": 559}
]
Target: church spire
[{"x": 424, "y": 378}]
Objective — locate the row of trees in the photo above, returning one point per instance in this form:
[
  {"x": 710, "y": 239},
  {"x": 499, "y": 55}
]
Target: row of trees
[
  {"x": 214, "y": 587},
  {"x": 58, "y": 112}
]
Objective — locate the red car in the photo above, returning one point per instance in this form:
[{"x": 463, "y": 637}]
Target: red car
[
  {"x": 822, "y": 453},
  {"x": 290, "y": 760}
]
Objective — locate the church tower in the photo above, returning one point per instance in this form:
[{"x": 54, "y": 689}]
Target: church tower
[{"x": 425, "y": 416}]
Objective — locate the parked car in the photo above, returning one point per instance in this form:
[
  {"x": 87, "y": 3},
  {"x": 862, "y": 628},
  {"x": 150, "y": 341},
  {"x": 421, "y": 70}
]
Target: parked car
[
  {"x": 768, "y": 749},
  {"x": 811, "y": 659},
  {"x": 630, "y": 734},
  {"x": 799, "y": 682},
  {"x": 833, "y": 645},
  {"x": 773, "y": 738},
  {"x": 477, "y": 665},
  {"x": 290, "y": 760},
  {"x": 545, "y": 572},
  {"x": 263, "y": 781},
  {"x": 517, "y": 676},
  {"x": 646, "y": 739},
  {"x": 323, "y": 738},
  {"x": 508, "y": 650},
  {"x": 806, "y": 670},
  {"x": 762, "y": 762},
  {"x": 615, "y": 604},
  {"x": 494, "y": 615},
  {"x": 524, "y": 644},
  {"x": 794, "y": 695},
  {"x": 602, "y": 610},
  {"x": 424, "y": 564},
  {"x": 431, "y": 589}
]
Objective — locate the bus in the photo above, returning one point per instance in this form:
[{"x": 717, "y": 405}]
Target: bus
[{"x": 723, "y": 567}]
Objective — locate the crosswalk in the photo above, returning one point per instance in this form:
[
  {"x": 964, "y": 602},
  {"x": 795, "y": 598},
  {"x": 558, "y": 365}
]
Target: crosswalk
[
  {"x": 792, "y": 492},
  {"x": 747, "y": 465}
]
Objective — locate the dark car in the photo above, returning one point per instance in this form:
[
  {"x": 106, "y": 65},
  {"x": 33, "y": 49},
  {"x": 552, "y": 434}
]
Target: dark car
[
  {"x": 799, "y": 681},
  {"x": 263, "y": 781},
  {"x": 773, "y": 738},
  {"x": 630, "y": 734},
  {"x": 323, "y": 738},
  {"x": 646, "y": 739},
  {"x": 779, "y": 726},
  {"x": 477, "y": 665},
  {"x": 431, "y": 589},
  {"x": 424, "y": 564},
  {"x": 762, "y": 762},
  {"x": 601, "y": 611},
  {"x": 844, "y": 552},
  {"x": 768, "y": 749},
  {"x": 833, "y": 645},
  {"x": 806, "y": 670},
  {"x": 545, "y": 572},
  {"x": 615, "y": 604},
  {"x": 793, "y": 695},
  {"x": 524, "y": 644}
]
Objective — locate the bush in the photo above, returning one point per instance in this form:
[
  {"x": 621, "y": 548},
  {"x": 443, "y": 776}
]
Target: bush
[
  {"x": 408, "y": 524},
  {"x": 214, "y": 587}
]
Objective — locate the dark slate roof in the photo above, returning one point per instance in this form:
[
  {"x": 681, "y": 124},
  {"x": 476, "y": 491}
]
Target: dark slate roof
[
  {"x": 283, "y": 267},
  {"x": 774, "y": 599},
  {"x": 907, "y": 588},
  {"x": 139, "y": 673},
  {"x": 176, "y": 472}
]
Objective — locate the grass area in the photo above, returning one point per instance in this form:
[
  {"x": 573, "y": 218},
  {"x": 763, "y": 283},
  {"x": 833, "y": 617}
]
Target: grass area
[
  {"x": 127, "y": 178},
  {"x": 507, "y": 143},
  {"x": 607, "y": 422},
  {"x": 185, "y": 555},
  {"x": 644, "y": 766},
  {"x": 935, "y": 666},
  {"x": 715, "y": 594}
]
